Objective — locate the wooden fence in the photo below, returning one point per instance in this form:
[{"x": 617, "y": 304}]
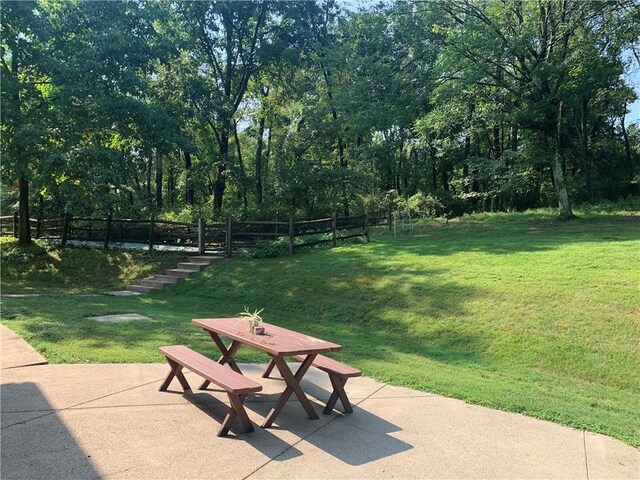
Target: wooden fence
[{"x": 228, "y": 236}]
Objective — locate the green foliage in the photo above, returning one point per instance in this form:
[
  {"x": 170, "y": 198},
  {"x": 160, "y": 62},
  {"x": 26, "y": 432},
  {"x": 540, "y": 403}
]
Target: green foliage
[
  {"x": 275, "y": 248},
  {"x": 132, "y": 109},
  {"x": 420, "y": 205}
]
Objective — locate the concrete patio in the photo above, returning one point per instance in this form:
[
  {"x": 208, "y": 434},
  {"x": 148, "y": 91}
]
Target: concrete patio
[{"x": 109, "y": 421}]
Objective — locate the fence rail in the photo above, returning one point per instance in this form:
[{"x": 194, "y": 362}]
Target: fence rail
[{"x": 201, "y": 235}]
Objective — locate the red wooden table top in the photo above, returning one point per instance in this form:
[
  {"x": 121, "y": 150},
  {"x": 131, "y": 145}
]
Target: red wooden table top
[{"x": 276, "y": 340}]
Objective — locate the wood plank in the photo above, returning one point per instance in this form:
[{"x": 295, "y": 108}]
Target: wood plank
[
  {"x": 330, "y": 365},
  {"x": 220, "y": 375},
  {"x": 276, "y": 341},
  {"x": 311, "y": 222}
]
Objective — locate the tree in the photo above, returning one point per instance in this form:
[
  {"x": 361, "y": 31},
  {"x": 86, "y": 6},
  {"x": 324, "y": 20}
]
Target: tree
[
  {"x": 223, "y": 44},
  {"x": 524, "y": 48},
  {"x": 24, "y": 95}
]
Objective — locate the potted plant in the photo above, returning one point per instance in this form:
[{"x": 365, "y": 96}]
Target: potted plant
[{"x": 254, "y": 320}]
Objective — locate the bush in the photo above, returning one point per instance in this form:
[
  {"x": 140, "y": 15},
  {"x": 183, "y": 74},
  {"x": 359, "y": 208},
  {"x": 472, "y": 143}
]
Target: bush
[{"x": 421, "y": 205}]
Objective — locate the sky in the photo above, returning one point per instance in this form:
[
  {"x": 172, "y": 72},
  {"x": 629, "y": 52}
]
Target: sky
[
  {"x": 633, "y": 79},
  {"x": 634, "y": 115}
]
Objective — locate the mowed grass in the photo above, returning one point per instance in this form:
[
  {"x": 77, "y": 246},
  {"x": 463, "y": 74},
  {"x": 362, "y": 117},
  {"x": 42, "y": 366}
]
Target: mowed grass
[{"x": 518, "y": 312}]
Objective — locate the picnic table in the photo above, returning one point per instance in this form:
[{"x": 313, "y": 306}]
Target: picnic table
[{"x": 279, "y": 343}]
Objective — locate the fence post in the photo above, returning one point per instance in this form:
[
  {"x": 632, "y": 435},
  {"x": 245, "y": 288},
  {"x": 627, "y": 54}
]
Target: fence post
[
  {"x": 334, "y": 224},
  {"x": 366, "y": 227},
  {"x": 151, "y": 227},
  {"x": 65, "y": 228},
  {"x": 38, "y": 226},
  {"x": 15, "y": 224},
  {"x": 107, "y": 234},
  {"x": 228, "y": 238},
  {"x": 201, "y": 230},
  {"x": 389, "y": 219},
  {"x": 291, "y": 235}
]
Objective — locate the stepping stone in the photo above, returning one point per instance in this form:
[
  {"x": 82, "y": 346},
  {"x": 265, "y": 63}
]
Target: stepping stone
[
  {"x": 122, "y": 317},
  {"x": 123, "y": 293}
]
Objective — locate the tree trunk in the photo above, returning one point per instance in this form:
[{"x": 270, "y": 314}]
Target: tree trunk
[
  {"x": 434, "y": 168},
  {"x": 564, "y": 204},
  {"x": 258, "y": 171},
  {"x": 342, "y": 161},
  {"x": 171, "y": 185},
  {"x": 465, "y": 175},
  {"x": 513, "y": 143},
  {"x": 189, "y": 196},
  {"x": 242, "y": 190},
  {"x": 445, "y": 179},
  {"x": 220, "y": 182},
  {"x": 24, "y": 229},
  {"x": 266, "y": 164},
  {"x": 343, "y": 188},
  {"x": 148, "y": 179},
  {"x": 584, "y": 150},
  {"x": 627, "y": 146},
  {"x": 557, "y": 169},
  {"x": 497, "y": 142},
  {"x": 158, "y": 180}
]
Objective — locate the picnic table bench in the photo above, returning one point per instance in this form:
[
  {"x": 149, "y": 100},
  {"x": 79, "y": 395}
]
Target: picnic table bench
[
  {"x": 235, "y": 384},
  {"x": 338, "y": 372}
]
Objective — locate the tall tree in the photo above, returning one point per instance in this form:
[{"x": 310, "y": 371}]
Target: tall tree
[
  {"x": 525, "y": 48},
  {"x": 24, "y": 91},
  {"x": 225, "y": 42}
]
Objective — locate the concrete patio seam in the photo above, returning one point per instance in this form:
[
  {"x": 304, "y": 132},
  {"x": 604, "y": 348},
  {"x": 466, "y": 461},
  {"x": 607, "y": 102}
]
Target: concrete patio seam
[
  {"x": 426, "y": 395},
  {"x": 74, "y": 407},
  {"x": 302, "y": 439},
  {"x": 24, "y": 422},
  {"x": 586, "y": 457},
  {"x": 34, "y": 364}
]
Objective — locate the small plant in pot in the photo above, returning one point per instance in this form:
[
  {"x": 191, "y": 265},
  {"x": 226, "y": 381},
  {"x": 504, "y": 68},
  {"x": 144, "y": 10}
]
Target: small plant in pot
[{"x": 254, "y": 319}]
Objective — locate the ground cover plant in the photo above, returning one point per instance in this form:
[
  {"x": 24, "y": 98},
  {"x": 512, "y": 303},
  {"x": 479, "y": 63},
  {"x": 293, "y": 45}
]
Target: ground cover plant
[{"x": 515, "y": 311}]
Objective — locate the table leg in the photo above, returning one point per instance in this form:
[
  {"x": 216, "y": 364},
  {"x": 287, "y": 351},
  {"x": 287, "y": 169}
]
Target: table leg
[
  {"x": 293, "y": 385},
  {"x": 269, "y": 369},
  {"x": 226, "y": 357}
]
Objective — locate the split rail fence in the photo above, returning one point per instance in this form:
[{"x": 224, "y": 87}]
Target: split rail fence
[{"x": 227, "y": 236}]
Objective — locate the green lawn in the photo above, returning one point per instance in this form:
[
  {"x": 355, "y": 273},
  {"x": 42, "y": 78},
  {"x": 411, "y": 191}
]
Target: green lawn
[{"x": 517, "y": 312}]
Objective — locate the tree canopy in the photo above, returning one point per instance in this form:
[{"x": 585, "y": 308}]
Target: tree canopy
[{"x": 242, "y": 109}]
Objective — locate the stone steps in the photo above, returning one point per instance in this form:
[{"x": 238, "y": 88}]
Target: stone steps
[
  {"x": 180, "y": 273},
  {"x": 165, "y": 278},
  {"x": 206, "y": 259},
  {"x": 191, "y": 265},
  {"x": 196, "y": 267},
  {"x": 154, "y": 283},
  {"x": 141, "y": 288}
]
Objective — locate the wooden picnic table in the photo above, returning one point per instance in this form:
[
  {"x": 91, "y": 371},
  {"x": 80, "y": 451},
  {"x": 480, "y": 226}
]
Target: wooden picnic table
[{"x": 279, "y": 343}]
